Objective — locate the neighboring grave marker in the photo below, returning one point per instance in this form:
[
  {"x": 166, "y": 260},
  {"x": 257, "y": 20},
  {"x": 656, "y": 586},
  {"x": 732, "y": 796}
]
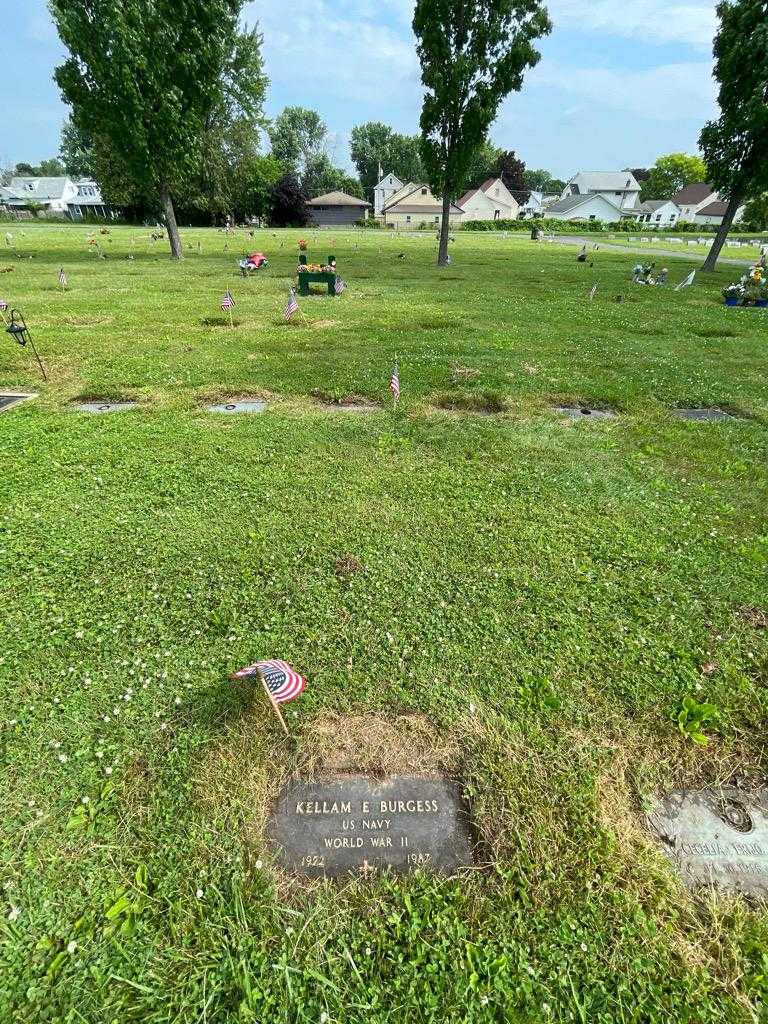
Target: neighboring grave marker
[
  {"x": 717, "y": 837},
  {"x": 360, "y": 824},
  {"x": 105, "y": 405},
  {"x": 235, "y": 405}
]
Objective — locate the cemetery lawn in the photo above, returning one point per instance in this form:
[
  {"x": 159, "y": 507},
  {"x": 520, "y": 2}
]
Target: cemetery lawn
[{"x": 520, "y": 598}]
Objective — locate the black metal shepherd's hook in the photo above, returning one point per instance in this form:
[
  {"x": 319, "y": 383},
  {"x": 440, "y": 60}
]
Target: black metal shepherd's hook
[{"x": 19, "y": 331}]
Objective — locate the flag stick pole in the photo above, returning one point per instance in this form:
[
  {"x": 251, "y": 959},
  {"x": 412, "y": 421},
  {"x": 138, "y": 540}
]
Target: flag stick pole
[
  {"x": 274, "y": 704},
  {"x": 231, "y": 324}
]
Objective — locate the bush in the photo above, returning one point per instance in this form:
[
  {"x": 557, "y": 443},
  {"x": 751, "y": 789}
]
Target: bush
[{"x": 370, "y": 222}]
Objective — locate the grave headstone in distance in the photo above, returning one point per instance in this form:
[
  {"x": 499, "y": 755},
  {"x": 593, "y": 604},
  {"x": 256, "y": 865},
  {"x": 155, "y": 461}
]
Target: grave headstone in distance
[{"x": 361, "y": 824}]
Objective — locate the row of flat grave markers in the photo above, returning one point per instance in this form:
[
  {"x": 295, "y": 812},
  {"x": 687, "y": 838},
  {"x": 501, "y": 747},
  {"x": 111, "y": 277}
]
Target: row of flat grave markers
[{"x": 9, "y": 400}]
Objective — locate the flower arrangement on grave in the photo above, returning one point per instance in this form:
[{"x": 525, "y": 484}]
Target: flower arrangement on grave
[
  {"x": 316, "y": 268},
  {"x": 750, "y": 290},
  {"x": 303, "y": 245}
]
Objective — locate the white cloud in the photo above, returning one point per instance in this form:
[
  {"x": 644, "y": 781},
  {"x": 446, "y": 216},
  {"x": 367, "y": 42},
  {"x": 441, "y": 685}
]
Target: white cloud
[
  {"x": 671, "y": 92},
  {"x": 652, "y": 21}
]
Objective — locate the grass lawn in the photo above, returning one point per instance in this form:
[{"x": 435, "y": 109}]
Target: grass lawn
[{"x": 519, "y": 598}]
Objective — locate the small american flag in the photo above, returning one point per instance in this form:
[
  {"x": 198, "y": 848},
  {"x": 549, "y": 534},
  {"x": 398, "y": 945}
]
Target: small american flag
[
  {"x": 3, "y": 305},
  {"x": 283, "y": 682},
  {"x": 339, "y": 286},
  {"x": 394, "y": 383},
  {"x": 686, "y": 281},
  {"x": 227, "y": 302},
  {"x": 592, "y": 291},
  {"x": 62, "y": 278},
  {"x": 292, "y": 305}
]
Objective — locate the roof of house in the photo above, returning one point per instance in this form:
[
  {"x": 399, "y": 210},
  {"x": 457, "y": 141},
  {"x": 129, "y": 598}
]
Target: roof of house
[
  {"x": 485, "y": 187},
  {"x": 337, "y": 198},
  {"x": 572, "y": 202},
  {"x": 716, "y": 209},
  {"x": 608, "y": 181},
  {"x": 45, "y": 188},
  {"x": 694, "y": 194},
  {"x": 652, "y": 205},
  {"x": 385, "y": 181}
]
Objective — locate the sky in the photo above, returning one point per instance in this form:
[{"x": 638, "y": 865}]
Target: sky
[{"x": 619, "y": 83}]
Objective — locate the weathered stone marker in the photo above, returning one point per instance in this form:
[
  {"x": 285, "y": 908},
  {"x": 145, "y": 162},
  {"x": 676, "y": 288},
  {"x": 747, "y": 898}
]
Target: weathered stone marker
[
  {"x": 716, "y": 837},
  {"x": 359, "y": 824}
]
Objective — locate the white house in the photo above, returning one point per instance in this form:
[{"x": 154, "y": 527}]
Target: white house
[
  {"x": 491, "y": 201},
  {"x": 713, "y": 213},
  {"x": 619, "y": 187},
  {"x": 693, "y": 198},
  {"x": 585, "y": 207},
  {"x": 662, "y": 212},
  {"x": 383, "y": 192},
  {"x": 414, "y": 205},
  {"x": 536, "y": 204},
  {"x": 60, "y": 195}
]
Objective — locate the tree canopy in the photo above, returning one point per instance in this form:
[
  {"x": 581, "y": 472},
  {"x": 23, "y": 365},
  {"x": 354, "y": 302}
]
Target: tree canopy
[
  {"x": 671, "y": 173},
  {"x": 473, "y": 53},
  {"x": 375, "y": 145},
  {"x": 297, "y": 137},
  {"x": 144, "y": 76},
  {"x": 735, "y": 146}
]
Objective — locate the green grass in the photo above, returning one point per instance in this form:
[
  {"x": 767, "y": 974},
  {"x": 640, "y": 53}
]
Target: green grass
[{"x": 542, "y": 593}]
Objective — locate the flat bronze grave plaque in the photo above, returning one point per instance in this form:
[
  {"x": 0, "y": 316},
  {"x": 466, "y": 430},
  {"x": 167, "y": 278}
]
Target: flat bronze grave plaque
[
  {"x": 716, "y": 837},
  {"x": 364, "y": 825}
]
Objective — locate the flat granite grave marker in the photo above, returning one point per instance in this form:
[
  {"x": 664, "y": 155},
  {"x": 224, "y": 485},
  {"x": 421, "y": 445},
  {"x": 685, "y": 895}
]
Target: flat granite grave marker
[
  {"x": 9, "y": 400},
  {"x": 715, "y": 415},
  {"x": 238, "y": 405},
  {"x": 716, "y": 837},
  {"x": 578, "y": 412},
  {"x": 363, "y": 825},
  {"x": 104, "y": 406}
]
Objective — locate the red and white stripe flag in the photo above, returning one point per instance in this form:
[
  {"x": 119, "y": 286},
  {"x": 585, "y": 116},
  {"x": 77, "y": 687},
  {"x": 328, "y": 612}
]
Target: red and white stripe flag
[
  {"x": 62, "y": 278},
  {"x": 283, "y": 683},
  {"x": 227, "y": 302},
  {"x": 3, "y": 305},
  {"x": 394, "y": 384},
  {"x": 292, "y": 305}
]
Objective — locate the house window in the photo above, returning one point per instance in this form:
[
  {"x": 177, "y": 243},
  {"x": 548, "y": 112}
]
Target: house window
[
  {"x": 497, "y": 190},
  {"x": 408, "y": 219},
  {"x": 437, "y": 219},
  {"x": 496, "y": 214},
  {"x": 658, "y": 217},
  {"x": 592, "y": 216},
  {"x": 423, "y": 191},
  {"x": 575, "y": 190},
  {"x": 672, "y": 216}
]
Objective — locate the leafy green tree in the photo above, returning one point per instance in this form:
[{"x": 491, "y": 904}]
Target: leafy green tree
[
  {"x": 297, "y": 137},
  {"x": 511, "y": 170},
  {"x": 374, "y": 145},
  {"x": 321, "y": 176},
  {"x": 144, "y": 76},
  {"x": 288, "y": 203},
  {"x": 473, "y": 53},
  {"x": 756, "y": 212},
  {"x": 671, "y": 173},
  {"x": 51, "y": 168},
  {"x": 232, "y": 128},
  {"x": 252, "y": 185},
  {"x": 76, "y": 150},
  {"x": 482, "y": 164},
  {"x": 735, "y": 147}
]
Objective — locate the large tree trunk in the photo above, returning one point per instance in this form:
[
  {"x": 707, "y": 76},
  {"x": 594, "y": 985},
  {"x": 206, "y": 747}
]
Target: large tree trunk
[
  {"x": 722, "y": 232},
  {"x": 170, "y": 222},
  {"x": 442, "y": 252}
]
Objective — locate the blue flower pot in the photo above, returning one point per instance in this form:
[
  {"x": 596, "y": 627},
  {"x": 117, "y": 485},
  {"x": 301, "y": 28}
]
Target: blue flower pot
[{"x": 732, "y": 301}]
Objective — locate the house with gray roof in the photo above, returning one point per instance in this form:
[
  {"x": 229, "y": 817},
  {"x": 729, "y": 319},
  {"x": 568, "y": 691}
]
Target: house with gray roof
[
  {"x": 415, "y": 205},
  {"x": 337, "y": 209},
  {"x": 585, "y": 207},
  {"x": 620, "y": 188},
  {"x": 59, "y": 195},
  {"x": 661, "y": 212}
]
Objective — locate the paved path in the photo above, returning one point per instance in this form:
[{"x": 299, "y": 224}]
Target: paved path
[{"x": 684, "y": 252}]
